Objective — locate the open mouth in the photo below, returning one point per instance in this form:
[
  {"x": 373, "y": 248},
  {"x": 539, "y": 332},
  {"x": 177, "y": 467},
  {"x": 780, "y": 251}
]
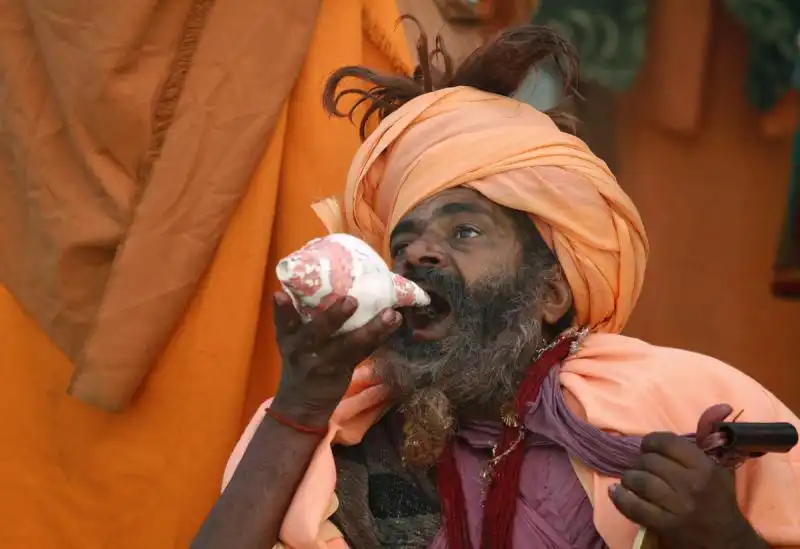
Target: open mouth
[{"x": 430, "y": 322}]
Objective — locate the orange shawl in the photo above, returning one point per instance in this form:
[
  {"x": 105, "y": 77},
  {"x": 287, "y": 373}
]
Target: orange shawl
[{"x": 622, "y": 385}]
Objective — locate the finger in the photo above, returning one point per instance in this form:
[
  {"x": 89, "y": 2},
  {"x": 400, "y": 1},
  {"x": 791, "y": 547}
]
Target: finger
[
  {"x": 359, "y": 344},
  {"x": 637, "y": 509},
  {"x": 321, "y": 329},
  {"x": 715, "y": 414},
  {"x": 652, "y": 489},
  {"x": 671, "y": 472},
  {"x": 675, "y": 448},
  {"x": 284, "y": 315}
]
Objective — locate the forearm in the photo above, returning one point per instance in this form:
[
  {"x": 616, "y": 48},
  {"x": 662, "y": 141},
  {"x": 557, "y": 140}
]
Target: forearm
[
  {"x": 742, "y": 535},
  {"x": 249, "y": 513},
  {"x": 748, "y": 540}
]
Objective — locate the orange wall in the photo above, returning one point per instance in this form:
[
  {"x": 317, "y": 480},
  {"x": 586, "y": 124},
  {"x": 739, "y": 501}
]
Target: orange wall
[{"x": 712, "y": 202}]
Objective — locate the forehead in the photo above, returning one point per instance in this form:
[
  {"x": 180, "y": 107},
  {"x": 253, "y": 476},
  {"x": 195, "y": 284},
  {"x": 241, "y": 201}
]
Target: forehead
[{"x": 454, "y": 201}]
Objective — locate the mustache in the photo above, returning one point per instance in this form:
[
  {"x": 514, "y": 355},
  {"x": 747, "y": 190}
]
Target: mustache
[{"x": 449, "y": 285}]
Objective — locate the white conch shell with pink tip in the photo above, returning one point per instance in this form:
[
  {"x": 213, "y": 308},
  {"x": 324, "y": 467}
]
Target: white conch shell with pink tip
[{"x": 338, "y": 265}]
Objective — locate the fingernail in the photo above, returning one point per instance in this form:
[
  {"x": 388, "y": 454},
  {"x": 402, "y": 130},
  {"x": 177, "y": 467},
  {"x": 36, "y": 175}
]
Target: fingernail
[
  {"x": 390, "y": 316},
  {"x": 349, "y": 304},
  {"x": 281, "y": 298}
]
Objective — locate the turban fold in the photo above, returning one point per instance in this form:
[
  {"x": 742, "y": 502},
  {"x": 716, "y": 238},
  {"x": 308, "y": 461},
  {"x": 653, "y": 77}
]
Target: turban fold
[{"x": 517, "y": 157}]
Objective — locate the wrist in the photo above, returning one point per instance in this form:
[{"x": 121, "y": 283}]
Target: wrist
[
  {"x": 742, "y": 535},
  {"x": 304, "y": 414}
]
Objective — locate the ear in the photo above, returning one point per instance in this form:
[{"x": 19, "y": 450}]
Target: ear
[{"x": 557, "y": 302}]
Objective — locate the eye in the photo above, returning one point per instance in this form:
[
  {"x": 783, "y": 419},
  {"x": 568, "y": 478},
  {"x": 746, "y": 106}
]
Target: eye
[
  {"x": 464, "y": 232},
  {"x": 397, "y": 249}
]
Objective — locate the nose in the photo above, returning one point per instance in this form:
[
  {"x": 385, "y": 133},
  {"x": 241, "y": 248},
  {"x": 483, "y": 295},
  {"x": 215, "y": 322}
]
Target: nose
[{"x": 423, "y": 253}]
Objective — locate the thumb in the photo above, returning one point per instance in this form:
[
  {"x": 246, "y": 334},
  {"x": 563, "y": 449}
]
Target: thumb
[{"x": 715, "y": 414}]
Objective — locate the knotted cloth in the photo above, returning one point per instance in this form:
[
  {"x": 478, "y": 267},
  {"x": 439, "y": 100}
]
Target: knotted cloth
[{"x": 517, "y": 157}]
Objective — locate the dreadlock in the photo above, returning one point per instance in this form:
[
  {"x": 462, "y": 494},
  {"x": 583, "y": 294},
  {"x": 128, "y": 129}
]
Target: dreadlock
[{"x": 500, "y": 66}]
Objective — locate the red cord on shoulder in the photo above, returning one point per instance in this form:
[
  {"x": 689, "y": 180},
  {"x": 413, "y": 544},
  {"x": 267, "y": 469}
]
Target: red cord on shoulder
[{"x": 319, "y": 431}]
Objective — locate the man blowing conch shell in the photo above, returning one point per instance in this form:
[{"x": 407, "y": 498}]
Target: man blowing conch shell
[{"x": 509, "y": 412}]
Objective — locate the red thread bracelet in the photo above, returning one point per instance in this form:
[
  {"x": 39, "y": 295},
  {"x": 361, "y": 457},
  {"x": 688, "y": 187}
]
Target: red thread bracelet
[{"x": 319, "y": 431}]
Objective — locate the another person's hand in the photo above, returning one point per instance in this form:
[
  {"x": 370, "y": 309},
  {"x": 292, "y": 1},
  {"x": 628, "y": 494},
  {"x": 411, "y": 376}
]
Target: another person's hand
[
  {"x": 317, "y": 365},
  {"x": 682, "y": 496}
]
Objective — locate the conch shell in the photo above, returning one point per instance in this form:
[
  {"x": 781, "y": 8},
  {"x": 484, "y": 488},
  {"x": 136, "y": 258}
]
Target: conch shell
[{"x": 338, "y": 265}]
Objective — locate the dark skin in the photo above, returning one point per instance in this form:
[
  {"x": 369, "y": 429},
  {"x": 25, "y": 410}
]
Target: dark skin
[
  {"x": 683, "y": 497},
  {"x": 460, "y": 230},
  {"x": 317, "y": 367},
  {"x": 457, "y": 229}
]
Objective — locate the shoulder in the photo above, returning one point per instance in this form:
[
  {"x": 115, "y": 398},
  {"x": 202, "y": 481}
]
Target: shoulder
[
  {"x": 645, "y": 387},
  {"x": 631, "y": 387}
]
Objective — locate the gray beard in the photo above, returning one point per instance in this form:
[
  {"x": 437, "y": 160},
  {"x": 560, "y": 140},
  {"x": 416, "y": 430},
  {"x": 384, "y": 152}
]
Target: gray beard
[{"x": 476, "y": 368}]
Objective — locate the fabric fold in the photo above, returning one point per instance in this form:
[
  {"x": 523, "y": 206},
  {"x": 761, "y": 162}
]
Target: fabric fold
[
  {"x": 616, "y": 384},
  {"x": 517, "y": 158},
  {"x": 115, "y": 190}
]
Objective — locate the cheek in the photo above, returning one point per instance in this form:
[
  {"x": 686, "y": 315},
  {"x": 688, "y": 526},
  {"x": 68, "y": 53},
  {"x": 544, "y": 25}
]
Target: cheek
[
  {"x": 488, "y": 260},
  {"x": 471, "y": 271}
]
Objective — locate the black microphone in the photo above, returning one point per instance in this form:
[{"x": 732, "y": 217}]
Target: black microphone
[{"x": 757, "y": 439}]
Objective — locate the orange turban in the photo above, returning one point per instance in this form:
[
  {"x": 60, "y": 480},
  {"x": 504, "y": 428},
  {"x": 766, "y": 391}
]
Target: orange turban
[{"x": 515, "y": 156}]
